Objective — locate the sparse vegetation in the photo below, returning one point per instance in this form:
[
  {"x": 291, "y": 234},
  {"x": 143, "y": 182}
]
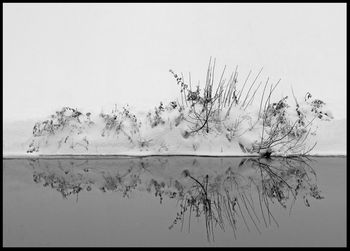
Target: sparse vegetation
[
  {"x": 156, "y": 119},
  {"x": 67, "y": 122},
  {"x": 121, "y": 122},
  {"x": 222, "y": 107}
]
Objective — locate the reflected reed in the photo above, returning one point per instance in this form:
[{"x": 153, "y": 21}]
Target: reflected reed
[{"x": 223, "y": 192}]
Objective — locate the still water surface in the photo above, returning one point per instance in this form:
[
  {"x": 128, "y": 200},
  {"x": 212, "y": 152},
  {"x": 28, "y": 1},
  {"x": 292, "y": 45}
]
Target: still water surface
[{"x": 174, "y": 201}]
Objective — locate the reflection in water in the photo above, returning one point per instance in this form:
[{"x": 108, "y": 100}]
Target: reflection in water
[{"x": 223, "y": 192}]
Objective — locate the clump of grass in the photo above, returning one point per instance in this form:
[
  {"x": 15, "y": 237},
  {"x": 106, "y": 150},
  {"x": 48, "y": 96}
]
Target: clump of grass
[
  {"x": 287, "y": 134},
  {"x": 121, "y": 122},
  {"x": 210, "y": 110},
  {"x": 156, "y": 119},
  {"x": 316, "y": 107},
  {"x": 65, "y": 119},
  {"x": 210, "y": 107}
]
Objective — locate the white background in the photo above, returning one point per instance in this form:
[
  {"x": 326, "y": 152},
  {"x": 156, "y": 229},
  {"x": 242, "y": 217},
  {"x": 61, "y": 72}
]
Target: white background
[{"x": 91, "y": 56}]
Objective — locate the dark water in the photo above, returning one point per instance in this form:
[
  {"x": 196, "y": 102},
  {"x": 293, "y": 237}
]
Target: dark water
[{"x": 174, "y": 201}]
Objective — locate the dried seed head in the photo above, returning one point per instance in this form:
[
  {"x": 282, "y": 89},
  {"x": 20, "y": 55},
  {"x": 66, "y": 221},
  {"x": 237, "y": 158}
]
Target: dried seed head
[{"x": 185, "y": 173}]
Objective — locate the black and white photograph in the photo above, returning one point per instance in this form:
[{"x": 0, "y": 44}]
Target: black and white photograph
[{"x": 174, "y": 125}]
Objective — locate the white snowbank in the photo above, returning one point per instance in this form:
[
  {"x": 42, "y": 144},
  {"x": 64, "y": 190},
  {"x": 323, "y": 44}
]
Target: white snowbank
[{"x": 162, "y": 140}]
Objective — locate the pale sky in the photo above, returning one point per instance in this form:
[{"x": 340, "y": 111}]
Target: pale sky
[{"x": 91, "y": 56}]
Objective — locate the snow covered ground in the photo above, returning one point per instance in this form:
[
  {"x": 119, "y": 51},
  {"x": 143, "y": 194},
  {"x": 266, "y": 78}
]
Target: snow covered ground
[{"x": 330, "y": 137}]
